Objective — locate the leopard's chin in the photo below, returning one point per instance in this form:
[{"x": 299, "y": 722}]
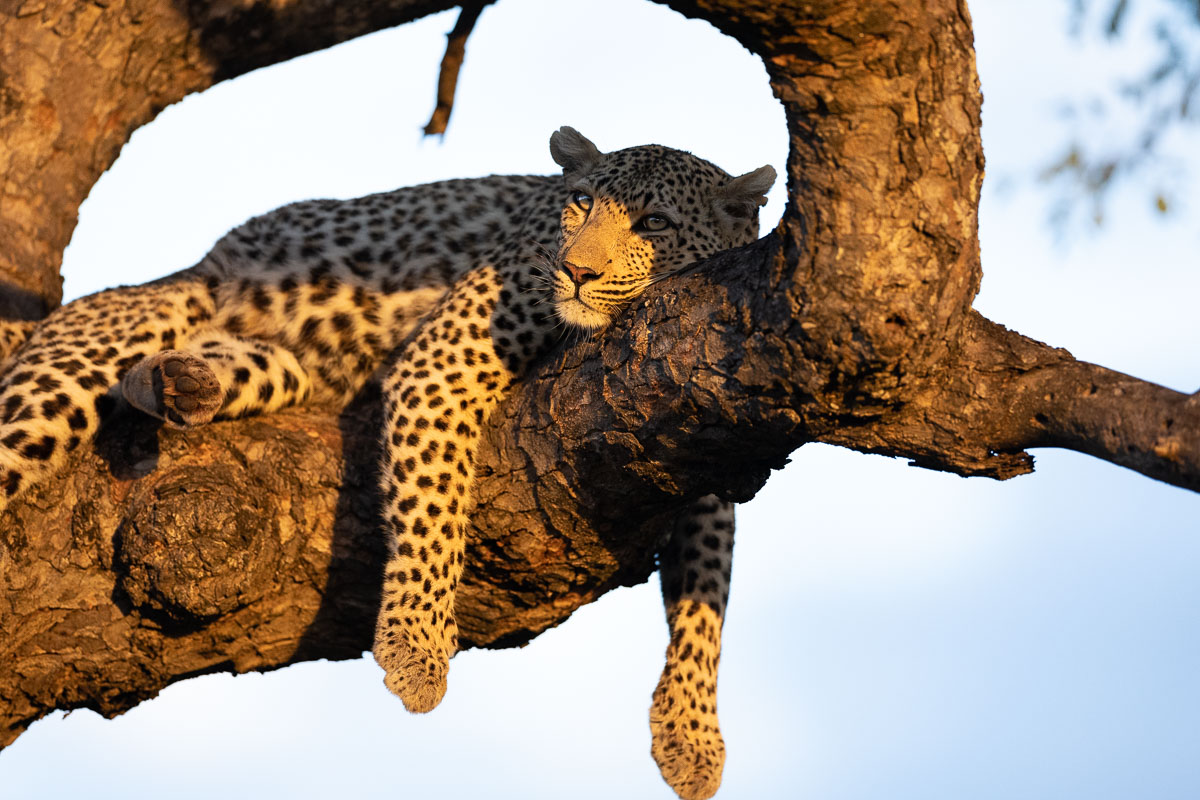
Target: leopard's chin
[{"x": 578, "y": 314}]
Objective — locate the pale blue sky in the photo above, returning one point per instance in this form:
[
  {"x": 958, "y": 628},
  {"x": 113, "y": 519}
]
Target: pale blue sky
[{"x": 893, "y": 632}]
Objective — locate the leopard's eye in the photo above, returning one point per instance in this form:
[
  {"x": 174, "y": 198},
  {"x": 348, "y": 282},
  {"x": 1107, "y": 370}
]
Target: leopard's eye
[
  {"x": 583, "y": 200},
  {"x": 654, "y": 223}
]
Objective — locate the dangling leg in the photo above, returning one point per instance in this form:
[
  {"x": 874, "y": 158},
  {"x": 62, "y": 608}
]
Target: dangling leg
[
  {"x": 426, "y": 491},
  {"x": 694, "y": 568},
  {"x": 219, "y": 374},
  {"x": 436, "y": 399}
]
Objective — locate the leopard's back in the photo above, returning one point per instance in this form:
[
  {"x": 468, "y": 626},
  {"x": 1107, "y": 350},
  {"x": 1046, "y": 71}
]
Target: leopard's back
[{"x": 342, "y": 283}]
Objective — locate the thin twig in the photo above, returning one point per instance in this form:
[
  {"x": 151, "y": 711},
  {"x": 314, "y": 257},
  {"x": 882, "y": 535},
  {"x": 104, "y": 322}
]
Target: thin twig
[{"x": 456, "y": 46}]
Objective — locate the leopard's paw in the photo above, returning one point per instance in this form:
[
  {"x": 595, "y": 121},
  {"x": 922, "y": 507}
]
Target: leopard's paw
[
  {"x": 416, "y": 674},
  {"x": 686, "y": 744},
  {"x": 177, "y": 387}
]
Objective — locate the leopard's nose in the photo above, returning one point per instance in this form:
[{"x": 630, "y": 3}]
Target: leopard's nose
[{"x": 580, "y": 275}]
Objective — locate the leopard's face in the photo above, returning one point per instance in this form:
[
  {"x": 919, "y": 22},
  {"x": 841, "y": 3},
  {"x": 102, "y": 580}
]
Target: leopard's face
[{"x": 633, "y": 217}]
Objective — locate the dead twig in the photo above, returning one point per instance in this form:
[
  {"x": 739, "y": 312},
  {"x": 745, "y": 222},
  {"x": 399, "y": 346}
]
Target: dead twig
[{"x": 456, "y": 47}]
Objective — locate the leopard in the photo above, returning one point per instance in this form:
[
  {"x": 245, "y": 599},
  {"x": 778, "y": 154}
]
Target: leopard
[{"x": 443, "y": 295}]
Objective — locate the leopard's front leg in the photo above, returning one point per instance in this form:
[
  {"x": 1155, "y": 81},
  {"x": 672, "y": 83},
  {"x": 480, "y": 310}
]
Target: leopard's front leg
[
  {"x": 218, "y": 374},
  {"x": 60, "y": 383},
  {"x": 436, "y": 397}
]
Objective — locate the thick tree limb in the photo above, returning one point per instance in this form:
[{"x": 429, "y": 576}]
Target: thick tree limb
[
  {"x": 77, "y": 79},
  {"x": 251, "y": 545}
]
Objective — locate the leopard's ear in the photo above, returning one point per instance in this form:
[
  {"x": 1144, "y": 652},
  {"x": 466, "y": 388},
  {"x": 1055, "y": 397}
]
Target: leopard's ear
[
  {"x": 737, "y": 202},
  {"x": 573, "y": 151}
]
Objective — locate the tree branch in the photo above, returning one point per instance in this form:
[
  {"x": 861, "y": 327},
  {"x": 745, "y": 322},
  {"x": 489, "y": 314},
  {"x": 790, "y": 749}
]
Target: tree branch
[
  {"x": 251, "y": 545},
  {"x": 456, "y": 48},
  {"x": 1048, "y": 399},
  {"x": 79, "y": 78}
]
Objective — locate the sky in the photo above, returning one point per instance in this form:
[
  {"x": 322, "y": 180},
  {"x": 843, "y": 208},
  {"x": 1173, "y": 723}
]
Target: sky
[{"x": 892, "y": 632}]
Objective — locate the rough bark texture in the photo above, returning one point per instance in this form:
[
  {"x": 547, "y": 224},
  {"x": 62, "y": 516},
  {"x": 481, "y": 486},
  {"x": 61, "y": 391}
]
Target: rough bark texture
[
  {"x": 251, "y": 545},
  {"x": 77, "y": 78}
]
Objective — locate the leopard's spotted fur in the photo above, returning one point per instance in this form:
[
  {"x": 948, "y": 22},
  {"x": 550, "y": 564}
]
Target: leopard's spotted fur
[{"x": 307, "y": 302}]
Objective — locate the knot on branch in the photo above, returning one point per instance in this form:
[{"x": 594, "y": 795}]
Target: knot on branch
[{"x": 191, "y": 550}]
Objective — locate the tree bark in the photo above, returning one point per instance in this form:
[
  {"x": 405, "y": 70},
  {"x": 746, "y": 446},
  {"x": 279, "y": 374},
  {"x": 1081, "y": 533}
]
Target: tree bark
[
  {"x": 251, "y": 545},
  {"x": 78, "y": 78}
]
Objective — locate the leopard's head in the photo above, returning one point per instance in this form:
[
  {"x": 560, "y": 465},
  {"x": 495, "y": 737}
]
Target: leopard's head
[{"x": 636, "y": 215}]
